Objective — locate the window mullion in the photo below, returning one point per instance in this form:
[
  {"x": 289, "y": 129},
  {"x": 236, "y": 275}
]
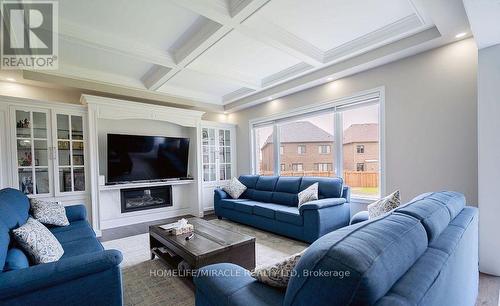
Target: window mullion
[
  {"x": 276, "y": 149},
  {"x": 338, "y": 146}
]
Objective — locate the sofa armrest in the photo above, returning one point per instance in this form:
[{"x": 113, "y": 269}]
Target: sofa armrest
[
  {"x": 320, "y": 204},
  {"x": 359, "y": 217},
  {"x": 23, "y": 281},
  {"x": 220, "y": 194},
  {"x": 229, "y": 284},
  {"x": 76, "y": 212},
  {"x": 346, "y": 193}
]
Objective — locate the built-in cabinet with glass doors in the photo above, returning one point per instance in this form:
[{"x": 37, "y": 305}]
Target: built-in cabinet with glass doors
[
  {"x": 217, "y": 148},
  {"x": 49, "y": 150}
]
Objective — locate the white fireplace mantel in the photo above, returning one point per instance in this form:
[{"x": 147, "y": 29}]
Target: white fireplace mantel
[{"x": 116, "y": 109}]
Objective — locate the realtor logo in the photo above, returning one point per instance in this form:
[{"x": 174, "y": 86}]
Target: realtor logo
[{"x": 29, "y": 35}]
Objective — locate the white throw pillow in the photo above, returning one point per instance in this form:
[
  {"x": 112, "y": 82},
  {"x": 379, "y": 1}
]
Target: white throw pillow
[
  {"x": 38, "y": 242},
  {"x": 235, "y": 188},
  {"x": 384, "y": 205},
  {"x": 309, "y": 194},
  {"x": 48, "y": 212},
  {"x": 278, "y": 274}
]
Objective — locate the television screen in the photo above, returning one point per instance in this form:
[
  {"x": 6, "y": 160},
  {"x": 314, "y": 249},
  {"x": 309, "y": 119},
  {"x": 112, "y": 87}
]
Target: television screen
[{"x": 139, "y": 158}]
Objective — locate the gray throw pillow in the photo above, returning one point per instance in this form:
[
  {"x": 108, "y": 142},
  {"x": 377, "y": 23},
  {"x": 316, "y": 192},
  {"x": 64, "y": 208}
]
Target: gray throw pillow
[
  {"x": 36, "y": 240},
  {"x": 235, "y": 188},
  {"x": 384, "y": 205},
  {"x": 309, "y": 194},
  {"x": 278, "y": 274},
  {"x": 48, "y": 212}
]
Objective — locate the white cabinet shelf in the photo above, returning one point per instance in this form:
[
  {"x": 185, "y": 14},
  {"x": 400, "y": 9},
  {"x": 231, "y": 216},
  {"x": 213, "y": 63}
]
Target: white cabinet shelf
[{"x": 145, "y": 184}]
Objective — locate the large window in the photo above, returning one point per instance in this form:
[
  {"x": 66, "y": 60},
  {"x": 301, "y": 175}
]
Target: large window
[
  {"x": 361, "y": 149},
  {"x": 264, "y": 150},
  {"x": 307, "y": 142},
  {"x": 339, "y": 140}
]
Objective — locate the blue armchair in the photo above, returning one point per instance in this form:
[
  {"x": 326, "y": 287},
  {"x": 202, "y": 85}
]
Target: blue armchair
[
  {"x": 271, "y": 203},
  {"x": 85, "y": 275}
]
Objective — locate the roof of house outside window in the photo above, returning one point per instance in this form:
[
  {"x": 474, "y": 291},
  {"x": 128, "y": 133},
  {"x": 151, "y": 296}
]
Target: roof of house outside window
[{"x": 306, "y": 132}]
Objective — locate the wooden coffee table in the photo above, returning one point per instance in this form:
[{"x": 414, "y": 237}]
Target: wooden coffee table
[{"x": 210, "y": 244}]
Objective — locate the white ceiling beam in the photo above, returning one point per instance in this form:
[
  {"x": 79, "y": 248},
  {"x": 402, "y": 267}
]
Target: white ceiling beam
[
  {"x": 98, "y": 40},
  {"x": 204, "y": 34}
]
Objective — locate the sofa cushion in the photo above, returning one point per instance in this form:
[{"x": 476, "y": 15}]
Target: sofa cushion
[
  {"x": 15, "y": 260},
  {"x": 249, "y": 180},
  {"x": 435, "y": 210},
  {"x": 262, "y": 196},
  {"x": 4, "y": 244},
  {"x": 264, "y": 210},
  {"x": 14, "y": 208},
  {"x": 49, "y": 212},
  {"x": 289, "y": 215},
  {"x": 374, "y": 255},
  {"x": 74, "y": 232},
  {"x": 244, "y": 206},
  {"x": 234, "y": 188},
  {"x": 233, "y": 286},
  {"x": 38, "y": 242},
  {"x": 266, "y": 183},
  {"x": 229, "y": 203},
  {"x": 329, "y": 187},
  {"x": 82, "y": 246}
]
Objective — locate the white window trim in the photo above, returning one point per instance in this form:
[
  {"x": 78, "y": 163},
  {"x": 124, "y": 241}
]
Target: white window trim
[{"x": 361, "y": 97}]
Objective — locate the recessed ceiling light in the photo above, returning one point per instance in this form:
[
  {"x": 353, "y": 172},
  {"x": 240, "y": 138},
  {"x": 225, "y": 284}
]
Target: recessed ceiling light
[
  {"x": 269, "y": 99},
  {"x": 460, "y": 35},
  {"x": 10, "y": 79},
  {"x": 329, "y": 79}
]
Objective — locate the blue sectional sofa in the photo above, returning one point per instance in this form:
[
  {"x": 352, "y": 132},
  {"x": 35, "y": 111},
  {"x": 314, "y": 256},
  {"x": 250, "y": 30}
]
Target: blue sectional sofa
[
  {"x": 423, "y": 253},
  {"x": 270, "y": 203},
  {"x": 85, "y": 275}
]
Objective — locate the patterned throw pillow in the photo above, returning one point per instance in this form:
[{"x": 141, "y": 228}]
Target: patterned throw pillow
[
  {"x": 279, "y": 274},
  {"x": 47, "y": 212},
  {"x": 235, "y": 188},
  {"x": 384, "y": 205},
  {"x": 38, "y": 242},
  {"x": 309, "y": 194}
]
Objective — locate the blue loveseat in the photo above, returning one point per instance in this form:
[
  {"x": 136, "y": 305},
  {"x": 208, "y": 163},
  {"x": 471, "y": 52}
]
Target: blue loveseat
[
  {"x": 423, "y": 253},
  {"x": 85, "y": 275},
  {"x": 270, "y": 203}
]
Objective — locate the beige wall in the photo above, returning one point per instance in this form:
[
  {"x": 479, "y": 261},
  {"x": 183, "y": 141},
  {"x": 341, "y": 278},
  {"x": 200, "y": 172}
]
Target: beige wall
[{"x": 430, "y": 119}]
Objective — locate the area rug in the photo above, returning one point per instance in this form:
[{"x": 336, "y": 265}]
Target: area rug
[{"x": 149, "y": 282}]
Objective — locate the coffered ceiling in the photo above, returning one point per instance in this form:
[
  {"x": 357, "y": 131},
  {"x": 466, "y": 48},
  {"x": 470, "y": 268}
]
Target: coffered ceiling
[{"x": 224, "y": 52}]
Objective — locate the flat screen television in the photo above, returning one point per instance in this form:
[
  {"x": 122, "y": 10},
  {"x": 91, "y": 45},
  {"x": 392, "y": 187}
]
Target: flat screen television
[{"x": 146, "y": 158}]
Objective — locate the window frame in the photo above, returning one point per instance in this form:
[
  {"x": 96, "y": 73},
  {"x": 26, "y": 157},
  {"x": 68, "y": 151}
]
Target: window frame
[
  {"x": 360, "y": 149},
  {"x": 367, "y": 97},
  {"x": 300, "y": 151},
  {"x": 327, "y": 151}
]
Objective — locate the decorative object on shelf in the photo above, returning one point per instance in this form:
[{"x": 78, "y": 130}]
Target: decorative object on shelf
[
  {"x": 27, "y": 185},
  {"x": 23, "y": 124},
  {"x": 25, "y": 160},
  {"x": 178, "y": 228}
]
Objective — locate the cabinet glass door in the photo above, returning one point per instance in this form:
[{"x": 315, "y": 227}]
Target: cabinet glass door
[
  {"x": 224, "y": 155},
  {"x": 70, "y": 153},
  {"x": 208, "y": 149},
  {"x": 32, "y": 151}
]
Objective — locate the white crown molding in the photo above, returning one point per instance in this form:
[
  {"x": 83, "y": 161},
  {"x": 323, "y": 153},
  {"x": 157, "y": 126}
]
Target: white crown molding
[
  {"x": 236, "y": 94},
  {"x": 375, "y": 38},
  {"x": 286, "y": 74},
  {"x": 106, "y": 109},
  {"x": 390, "y": 52}
]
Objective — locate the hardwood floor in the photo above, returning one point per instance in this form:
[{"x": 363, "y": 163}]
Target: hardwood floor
[{"x": 489, "y": 289}]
